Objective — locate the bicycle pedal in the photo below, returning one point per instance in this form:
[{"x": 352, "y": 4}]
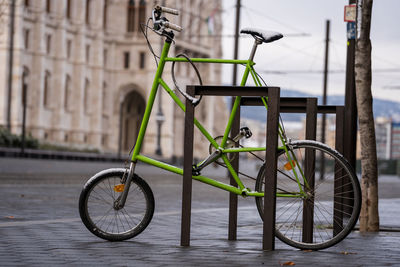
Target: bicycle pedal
[
  {"x": 246, "y": 132},
  {"x": 195, "y": 171}
]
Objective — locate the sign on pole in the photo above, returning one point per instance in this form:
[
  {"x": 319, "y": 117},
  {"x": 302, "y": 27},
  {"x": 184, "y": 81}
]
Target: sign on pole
[
  {"x": 351, "y": 30},
  {"x": 350, "y": 13}
]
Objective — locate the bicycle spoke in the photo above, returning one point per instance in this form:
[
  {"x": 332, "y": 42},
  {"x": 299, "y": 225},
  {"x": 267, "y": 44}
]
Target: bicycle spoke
[
  {"x": 101, "y": 198},
  {"x": 288, "y": 208}
]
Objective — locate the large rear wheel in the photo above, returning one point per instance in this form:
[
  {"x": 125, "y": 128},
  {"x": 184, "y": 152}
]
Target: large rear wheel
[{"x": 321, "y": 211}]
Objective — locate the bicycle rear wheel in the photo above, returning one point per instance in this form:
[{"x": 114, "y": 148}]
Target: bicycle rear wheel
[
  {"x": 96, "y": 206},
  {"x": 330, "y": 206}
]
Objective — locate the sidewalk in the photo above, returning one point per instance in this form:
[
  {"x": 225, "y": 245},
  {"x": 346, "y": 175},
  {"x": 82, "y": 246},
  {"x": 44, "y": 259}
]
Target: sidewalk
[
  {"x": 40, "y": 226},
  {"x": 58, "y": 155}
]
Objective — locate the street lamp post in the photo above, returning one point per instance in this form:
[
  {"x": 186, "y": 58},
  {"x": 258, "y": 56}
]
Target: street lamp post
[
  {"x": 160, "y": 118},
  {"x": 160, "y": 115},
  {"x": 121, "y": 105},
  {"x": 324, "y": 97},
  {"x": 10, "y": 63},
  {"x": 24, "y": 88}
]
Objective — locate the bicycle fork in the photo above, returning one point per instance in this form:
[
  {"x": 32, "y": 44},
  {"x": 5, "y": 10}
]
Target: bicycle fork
[{"x": 119, "y": 203}]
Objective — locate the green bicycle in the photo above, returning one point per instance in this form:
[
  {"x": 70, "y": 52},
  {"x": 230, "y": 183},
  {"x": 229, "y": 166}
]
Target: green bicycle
[{"x": 116, "y": 204}]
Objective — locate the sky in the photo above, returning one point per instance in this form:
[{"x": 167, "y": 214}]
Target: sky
[{"x": 302, "y": 49}]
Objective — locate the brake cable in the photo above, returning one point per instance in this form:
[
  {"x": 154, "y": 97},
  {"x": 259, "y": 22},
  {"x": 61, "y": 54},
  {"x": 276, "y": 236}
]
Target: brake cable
[{"x": 195, "y": 101}]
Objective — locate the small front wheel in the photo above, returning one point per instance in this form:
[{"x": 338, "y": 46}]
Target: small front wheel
[
  {"x": 98, "y": 210},
  {"x": 319, "y": 210}
]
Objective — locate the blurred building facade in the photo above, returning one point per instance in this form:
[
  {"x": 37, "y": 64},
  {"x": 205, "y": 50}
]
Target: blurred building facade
[
  {"x": 383, "y": 131},
  {"x": 395, "y": 142},
  {"x": 88, "y": 72}
]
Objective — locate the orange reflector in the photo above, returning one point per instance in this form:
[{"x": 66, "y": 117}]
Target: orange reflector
[
  {"x": 288, "y": 166},
  {"x": 119, "y": 188}
]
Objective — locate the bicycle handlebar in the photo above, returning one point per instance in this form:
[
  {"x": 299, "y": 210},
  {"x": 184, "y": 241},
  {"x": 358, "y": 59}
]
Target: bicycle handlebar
[
  {"x": 161, "y": 22},
  {"x": 172, "y": 26},
  {"x": 167, "y": 10}
]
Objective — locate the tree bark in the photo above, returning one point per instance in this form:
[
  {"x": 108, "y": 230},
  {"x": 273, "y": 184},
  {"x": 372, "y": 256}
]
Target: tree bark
[{"x": 369, "y": 218}]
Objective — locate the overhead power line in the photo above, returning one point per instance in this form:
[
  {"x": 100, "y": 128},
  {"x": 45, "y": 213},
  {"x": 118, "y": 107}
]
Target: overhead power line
[
  {"x": 263, "y": 15},
  {"x": 246, "y": 36},
  {"x": 285, "y": 72}
]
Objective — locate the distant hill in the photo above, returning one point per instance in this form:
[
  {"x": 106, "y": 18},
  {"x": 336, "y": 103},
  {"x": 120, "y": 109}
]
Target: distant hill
[{"x": 382, "y": 108}]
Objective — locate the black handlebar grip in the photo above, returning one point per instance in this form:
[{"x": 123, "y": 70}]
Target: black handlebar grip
[
  {"x": 172, "y": 26},
  {"x": 167, "y": 10}
]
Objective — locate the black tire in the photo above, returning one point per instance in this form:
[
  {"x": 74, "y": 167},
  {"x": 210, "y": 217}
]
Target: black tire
[
  {"x": 328, "y": 228},
  {"x": 97, "y": 210}
]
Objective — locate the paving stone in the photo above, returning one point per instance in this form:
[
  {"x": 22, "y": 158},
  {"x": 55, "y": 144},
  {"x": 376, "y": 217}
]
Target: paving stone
[{"x": 45, "y": 229}]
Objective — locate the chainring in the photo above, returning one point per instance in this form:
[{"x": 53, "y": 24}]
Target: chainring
[{"x": 229, "y": 144}]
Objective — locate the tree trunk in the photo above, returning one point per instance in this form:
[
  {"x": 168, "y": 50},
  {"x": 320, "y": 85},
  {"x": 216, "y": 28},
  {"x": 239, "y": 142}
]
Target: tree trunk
[{"x": 369, "y": 218}]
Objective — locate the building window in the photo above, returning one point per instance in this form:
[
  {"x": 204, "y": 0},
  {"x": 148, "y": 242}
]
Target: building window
[
  {"x": 48, "y": 6},
  {"x": 26, "y": 39},
  {"x": 87, "y": 53},
  {"x": 87, "y": 16},
  {"x": 25, "y": 82},
  {"x": 68, "y": 9},
  {"x": 104, "y": 140},
  {"x": 86, "y": 96},
  {"x": 142, "y": 13},
  {"x": 105, "y": 11},
  {"x": 69, "y": 47},
  {"x": 48, "y": 43},
  {"x": 126, "y": 60},
  {"x": 104, "y": 98},
  {"x": 26, "y": 3},
  {"x": 46, "y": 89},
  {"x": 142, "y": 61},
  {"x": 105, "y": 54},
  {"x": 131, "y": 16},
  {"x": 67, "y": 94},
  {"x": 133, "y": 23}
]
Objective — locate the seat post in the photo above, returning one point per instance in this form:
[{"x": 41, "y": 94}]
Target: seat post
[{"x": 253, "y": 50}]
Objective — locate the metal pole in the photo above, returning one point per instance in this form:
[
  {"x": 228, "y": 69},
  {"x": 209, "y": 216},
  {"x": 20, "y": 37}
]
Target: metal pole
[
  {"x": 324, "y": 97},
  {"x": 10, "y": 63},
  {"x": 350, "y": 105},
  {"x": 187, "y": 170},
  {"x": 160, "y": 115},
  {"x": 121, "y": 105},
  {"x": 236, "y": 43},
  {"x": 233, "y": 199},
  {"x": 24, "y": 87},
  {"x": 350, "y": 113}
]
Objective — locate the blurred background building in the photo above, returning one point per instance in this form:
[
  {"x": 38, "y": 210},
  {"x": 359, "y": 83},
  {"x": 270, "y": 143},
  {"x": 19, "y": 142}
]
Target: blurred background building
[{"x": 88, "y": 72}]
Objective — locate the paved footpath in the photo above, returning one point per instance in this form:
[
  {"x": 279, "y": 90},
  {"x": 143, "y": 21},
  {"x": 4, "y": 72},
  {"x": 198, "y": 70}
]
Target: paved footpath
[{"x": 40, "y": 225}]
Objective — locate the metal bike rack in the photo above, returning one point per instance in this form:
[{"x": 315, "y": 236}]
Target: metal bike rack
[
  {"x": 311, "y": 109},
  {"x": 275, "y": 106},
  {"x": 273, "y": 94}
]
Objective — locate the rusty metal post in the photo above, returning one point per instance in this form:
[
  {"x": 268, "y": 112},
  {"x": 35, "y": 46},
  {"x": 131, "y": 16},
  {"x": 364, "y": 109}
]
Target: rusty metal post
[
  {"x": 187, "y": 171},
  {"x": 308, "y": 204},
  {"x": 271, "y": 170},
  {"x": 338, "y": 180}
]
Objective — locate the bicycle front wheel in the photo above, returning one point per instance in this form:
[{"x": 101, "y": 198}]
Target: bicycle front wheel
[
  {"x": 322, "y": 210},
  {"x": 97, "y": 211}
]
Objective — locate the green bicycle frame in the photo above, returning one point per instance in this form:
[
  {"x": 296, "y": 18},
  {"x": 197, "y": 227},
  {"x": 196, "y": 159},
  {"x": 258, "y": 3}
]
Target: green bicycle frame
[{"x": 249, "y": 70}]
